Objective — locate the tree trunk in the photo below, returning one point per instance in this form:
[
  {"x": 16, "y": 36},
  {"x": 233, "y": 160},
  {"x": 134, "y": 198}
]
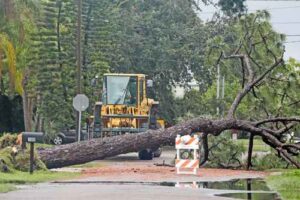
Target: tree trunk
[
  {"x": 250, "y": 149},
  {"x": 27, "y": 120},
  {"x": 86, "y": 151}
]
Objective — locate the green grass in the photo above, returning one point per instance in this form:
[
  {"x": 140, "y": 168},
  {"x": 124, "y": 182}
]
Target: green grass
[
  {"x": 37, "y": 145},
  {"x": 9, "y": 180},
  {"x": 6, "y": 187},
  {"x": 258, "y": 145},
  {"x": 93, "y": 164},
  {"x": 287, "y": 184}
]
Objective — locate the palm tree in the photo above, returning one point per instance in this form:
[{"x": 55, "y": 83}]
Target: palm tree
[
  {"x": 7, "y": 58},
  {"x": 16, "y": 21}
]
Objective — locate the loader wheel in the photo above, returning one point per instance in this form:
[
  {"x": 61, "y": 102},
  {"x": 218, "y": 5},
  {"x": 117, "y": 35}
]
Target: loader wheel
[
  {"x": 146, "y": 154},
  {"x": 157, "y": 152}
]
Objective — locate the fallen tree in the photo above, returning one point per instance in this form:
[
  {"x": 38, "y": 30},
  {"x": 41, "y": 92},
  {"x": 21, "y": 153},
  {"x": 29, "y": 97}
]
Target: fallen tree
[
  {"x": 254, "y": 74},
  {"x": 76, "y": 153}
]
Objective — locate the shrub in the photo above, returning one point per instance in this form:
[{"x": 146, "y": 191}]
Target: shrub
[
  {"x": 17, "y": 159},
  {"x": 270, "y": 161},
  {"x": 8, "y": 140},
  {"x": 224, "y": 152}
]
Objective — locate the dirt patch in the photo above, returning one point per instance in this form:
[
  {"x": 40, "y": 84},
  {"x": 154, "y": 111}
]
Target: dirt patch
[
  {"x": 154, "y": 173},
  {"x": 128, "y": 167}
]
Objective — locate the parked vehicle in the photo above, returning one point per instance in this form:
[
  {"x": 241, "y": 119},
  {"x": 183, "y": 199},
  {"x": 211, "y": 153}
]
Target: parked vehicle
[{"x": 68, "y": 136}]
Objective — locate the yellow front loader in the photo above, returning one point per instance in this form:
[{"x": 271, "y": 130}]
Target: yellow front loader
[{"x": 126, "y": 109}]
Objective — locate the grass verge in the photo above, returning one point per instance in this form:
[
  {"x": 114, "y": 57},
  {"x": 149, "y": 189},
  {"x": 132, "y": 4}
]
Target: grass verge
[
  {"x": 6, "y": 188},
  {"x": 8, "y": 181},
  {"x": 93, "y": 164},
  {"x": 287, "y": 184},
  {"x": 258, "y": 145}
]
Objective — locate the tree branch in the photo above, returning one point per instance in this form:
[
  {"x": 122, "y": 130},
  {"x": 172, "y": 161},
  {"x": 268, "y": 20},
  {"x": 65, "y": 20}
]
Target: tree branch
[
  {"x": 278, "y": 119},
  {"x": 205, "y": 147}
]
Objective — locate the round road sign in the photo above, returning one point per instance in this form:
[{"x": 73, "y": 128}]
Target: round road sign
[{"x": 80, "y": 102}]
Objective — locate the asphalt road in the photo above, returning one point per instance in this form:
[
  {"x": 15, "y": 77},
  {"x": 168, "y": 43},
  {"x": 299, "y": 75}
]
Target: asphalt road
[
  {"x": 92, "y": 187},
  {"x": 107, "y": 192}
]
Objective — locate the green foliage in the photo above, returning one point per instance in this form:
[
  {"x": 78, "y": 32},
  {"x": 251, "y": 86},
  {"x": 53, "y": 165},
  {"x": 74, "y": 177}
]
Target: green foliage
[
  {"x": 271, "y": 161},
  {"x": 54, "y": 59},
  {"x": 205, "y": 103},
  {"x": 20, "y": 160},
  {"x": 7, "y": 140},
  {"x": 224, "y": 152},
  {"x": 163, "y": 39},
  {"x": 231, "y": 7},
  {"x": 277, "y": 94}
]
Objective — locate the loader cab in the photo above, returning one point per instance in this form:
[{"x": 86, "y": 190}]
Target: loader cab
[
  {"x": 123, "y": 89},
  {"x": 125, "y": 107}
]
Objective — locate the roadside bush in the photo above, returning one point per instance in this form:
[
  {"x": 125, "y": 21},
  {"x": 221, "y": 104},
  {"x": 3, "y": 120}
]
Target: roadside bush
[
  {"x": 8, "y": 140},
  {"x": 22, "y": 161},
  {"x": 17, "y": 159},
  {"x": 270, "y": 161},
  {"x": 224, "y": 152}
]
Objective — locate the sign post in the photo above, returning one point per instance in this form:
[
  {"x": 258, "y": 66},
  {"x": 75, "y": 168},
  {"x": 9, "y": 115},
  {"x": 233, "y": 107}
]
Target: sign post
[
  {"x": 31, "y": 157},
  {"x": 80, "y": 103}
]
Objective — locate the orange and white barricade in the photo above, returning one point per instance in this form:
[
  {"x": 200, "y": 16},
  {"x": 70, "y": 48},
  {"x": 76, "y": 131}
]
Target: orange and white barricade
[{"x": 188, "y": 143}]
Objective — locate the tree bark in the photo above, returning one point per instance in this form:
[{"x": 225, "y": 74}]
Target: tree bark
[
  {"x": 250, "y": 148},
  {"x": 27, "y": 120},
  {"x": 86, "y": 151},
  {"x": 95, "y": 149}
]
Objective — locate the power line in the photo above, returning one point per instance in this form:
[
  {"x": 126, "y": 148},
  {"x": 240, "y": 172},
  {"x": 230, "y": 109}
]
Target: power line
[
  {"x": 285, "y": 22},
  {"x": 273, "y": 0},
  {"x": 279, "y": 8},
  {"x": 274, "y": 8},
  {"x": 292, "y": 35},
  {"x": 296, "y": 41}
]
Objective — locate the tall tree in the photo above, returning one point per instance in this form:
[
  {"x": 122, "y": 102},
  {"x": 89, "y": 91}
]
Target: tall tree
[
  {"x": 253, "y": 52},
  {"x": 18, "y": 24}
]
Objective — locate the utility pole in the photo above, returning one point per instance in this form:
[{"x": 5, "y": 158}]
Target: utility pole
[
  {"x": 223, "y": 94},
  {"x": 218, "y": 89},
  {"x": 78, "y": 58}
]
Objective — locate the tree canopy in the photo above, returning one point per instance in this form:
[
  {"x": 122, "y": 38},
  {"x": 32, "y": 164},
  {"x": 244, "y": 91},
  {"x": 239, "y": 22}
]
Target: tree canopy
[{"x": 165, "y": 40}]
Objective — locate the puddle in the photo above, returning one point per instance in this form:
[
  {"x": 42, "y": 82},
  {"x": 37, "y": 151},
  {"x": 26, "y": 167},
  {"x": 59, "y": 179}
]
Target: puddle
[
  {"x": 255, "y": 189},
  {"x": 235, "y": 184},
  {"x": 252, "y": 196}
]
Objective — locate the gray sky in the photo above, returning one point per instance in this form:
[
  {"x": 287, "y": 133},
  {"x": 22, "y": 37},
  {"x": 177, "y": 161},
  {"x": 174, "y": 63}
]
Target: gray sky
[{"x": 285, "y": 17}]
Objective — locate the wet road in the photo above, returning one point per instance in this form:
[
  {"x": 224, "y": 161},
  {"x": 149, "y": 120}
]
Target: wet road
[
  {"x": 89, "y": 188},
  {"x": 107, "y": 192}
]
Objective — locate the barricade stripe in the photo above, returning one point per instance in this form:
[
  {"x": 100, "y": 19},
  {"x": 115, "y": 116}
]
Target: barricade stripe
[
  {"x": 196, "y": 164},
  {"x": 190, "y": 164},
  {"x": 190, "y": 141},
  {"x": 179, "y": 163},
  {"x": 185, "y": 163}
]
